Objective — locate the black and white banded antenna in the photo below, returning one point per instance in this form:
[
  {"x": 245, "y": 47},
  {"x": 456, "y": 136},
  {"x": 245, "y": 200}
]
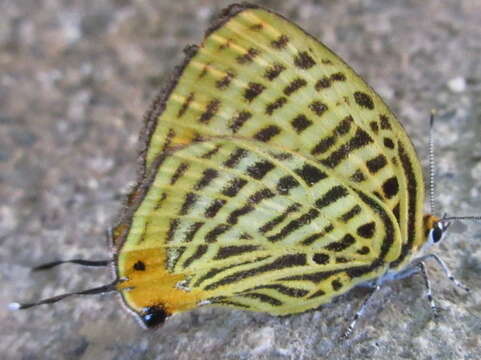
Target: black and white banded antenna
[
  {"x": 81, "y": 262},
  {"x": 111, "y": 287},
  {"x": 51, "y": 300},
  {"x": 433, "y": 200}
]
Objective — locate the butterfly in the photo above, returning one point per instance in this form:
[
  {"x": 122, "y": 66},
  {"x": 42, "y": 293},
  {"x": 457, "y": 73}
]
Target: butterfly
[{"x": 273, "y": 179}]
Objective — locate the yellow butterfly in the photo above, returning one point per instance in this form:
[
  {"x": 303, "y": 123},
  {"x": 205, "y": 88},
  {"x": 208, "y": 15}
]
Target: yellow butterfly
[{"x": 273, "y": 179}]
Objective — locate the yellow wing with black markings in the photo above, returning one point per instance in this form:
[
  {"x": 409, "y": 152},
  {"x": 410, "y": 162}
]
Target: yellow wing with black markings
[{"x": 274, "y": 177}]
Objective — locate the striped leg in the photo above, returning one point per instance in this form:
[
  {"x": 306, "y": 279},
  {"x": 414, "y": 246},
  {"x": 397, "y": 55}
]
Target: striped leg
[
  {"x": 429, "y": 294},
  {"x": 359, "y": 313},
  {"x": 446, "y": 270}
]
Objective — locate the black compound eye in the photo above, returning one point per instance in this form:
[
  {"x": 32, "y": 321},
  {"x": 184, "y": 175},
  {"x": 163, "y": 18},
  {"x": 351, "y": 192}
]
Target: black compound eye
[
  {"x": 437, "y": 233},
  {"x": 153, "y": 317}
]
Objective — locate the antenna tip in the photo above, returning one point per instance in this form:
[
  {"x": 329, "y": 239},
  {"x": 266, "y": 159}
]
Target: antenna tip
[{"x": 14, "y": 306}]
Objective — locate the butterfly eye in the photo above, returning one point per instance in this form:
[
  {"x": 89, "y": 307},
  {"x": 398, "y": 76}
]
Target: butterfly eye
[
  {"x": 437, "y": 233},
  {"x": 153, "y": 317}
]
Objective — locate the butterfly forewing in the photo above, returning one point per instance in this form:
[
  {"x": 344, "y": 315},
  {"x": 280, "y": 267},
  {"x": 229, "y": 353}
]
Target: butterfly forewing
[{"x": 265, "y": 151}]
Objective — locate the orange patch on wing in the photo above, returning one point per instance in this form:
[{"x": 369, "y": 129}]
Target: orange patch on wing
[{"x": 148, "y": 283}]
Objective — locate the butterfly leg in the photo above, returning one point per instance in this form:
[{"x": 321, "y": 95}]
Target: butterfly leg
[
  {"x": 359, "y": 313},
  {"x": 446, "y": 270},
  {"x": 429, "y": 294}
]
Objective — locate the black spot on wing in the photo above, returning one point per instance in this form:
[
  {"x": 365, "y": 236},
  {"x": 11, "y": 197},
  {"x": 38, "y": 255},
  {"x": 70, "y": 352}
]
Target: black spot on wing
[
  {"x": 267, "y": 133},
  {"x": 181, "y": 169},
  {"x": 323, "y": 83},
  {"x": 388, "y": 143},
  {"x": 294, "y": 225},
  {"x": 318, "y": 108},
  {"x": 385, "y": 124},
  {"x": 339, "y": 76},
  {"x": 359, "y": 140},
  {"x": 326, "y": 81},
  {"x": 139, "y": 266},
  {"x": 214, "y": 208},
  {"x": 260, "y": 195},
  {"x": 174, "y": 223},
  {"x": 259, "y": 169},
  {"x": 234, "y": 187},
  {"x": 342, "y": 244},
  {"x": 236, "y": 214},
  {"x": 310, "y": 174},
  {"x": 211, "y": 152},
  {"x": 311, "y": 239},
  {"x": 336, "y": 284},
  {"x": 277, "y": 104},
  {"x": 253, "y": 90},
  {"x": 294, "y": 85},
  {"x": 225, "y": 81},
  {"x": 331, "y": 196},
  {"x": 280, "y": 43},
  {"x": 285, "y": 184},
  {"x": 199, "y": 252},
  {"x": 263, "y": 298},
  {"x": 285, "y": 290},
  {"x": 364, "y": 100},
  {"x": 193, "y": 229},
  {"x": 324, "y": 145},
  {"x": 212, "y": 235},
  {"x": 235, "y": 157},
  {"x": 318, "y": 293},
  {"x": 248, "y": 57},
  {"x": 367, "y": 230},
  {"x": 390, "y": 187},
  {"x": 238, "y": 120},
  {"x": 274, "y": 71},
  {"x": 300, "y": 123},
  {"x": 185, "y": 105},
  {"x": 234, "y": 250},
  {"x": 348, "y": 215},
  {"x": 210, "y": 111},
  {"x": 268, "y": 226},
  {"x": 256, "y": 27},
  {"x": 376, "y": 164},
  {"x": 321, "y": 258},
  {"x": 364, "y": 250},
  {"x": 303, "y": 60},
  {"x": 189, "y": 201},
  {"x": 207, "y": 176},
  {"x": 358, "y": 176}
]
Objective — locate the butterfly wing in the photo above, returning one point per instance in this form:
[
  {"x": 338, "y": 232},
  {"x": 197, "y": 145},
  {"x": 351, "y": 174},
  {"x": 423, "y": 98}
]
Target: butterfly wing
[
  {"x": 255, "y": 226},
  {"x": 259, "y": 83}
]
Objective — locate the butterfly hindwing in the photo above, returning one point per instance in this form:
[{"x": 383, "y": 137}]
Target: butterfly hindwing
[{"x": 232, "y": 213}]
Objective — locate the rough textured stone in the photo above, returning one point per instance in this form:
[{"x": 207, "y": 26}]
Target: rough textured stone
[{"x": 75, "y": 80}]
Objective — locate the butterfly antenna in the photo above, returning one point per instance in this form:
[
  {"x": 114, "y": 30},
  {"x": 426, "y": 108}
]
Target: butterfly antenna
[
  {"x": 462, "y": 218},
  {"x": 98, "y": 290},
  {"x": 82, "y": 262},
  {"x": 432, "y": 166}
]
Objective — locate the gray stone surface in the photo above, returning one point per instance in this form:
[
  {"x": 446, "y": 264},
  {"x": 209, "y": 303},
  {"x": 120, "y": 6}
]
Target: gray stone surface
[{"x": 75, "y": 79}]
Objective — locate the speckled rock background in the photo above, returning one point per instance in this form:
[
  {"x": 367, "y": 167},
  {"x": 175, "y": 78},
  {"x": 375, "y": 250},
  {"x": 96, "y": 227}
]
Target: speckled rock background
[{"x": 75, "y": 79}]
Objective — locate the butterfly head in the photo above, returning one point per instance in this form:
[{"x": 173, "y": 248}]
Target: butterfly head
[{"x": 435, "y": 228}]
